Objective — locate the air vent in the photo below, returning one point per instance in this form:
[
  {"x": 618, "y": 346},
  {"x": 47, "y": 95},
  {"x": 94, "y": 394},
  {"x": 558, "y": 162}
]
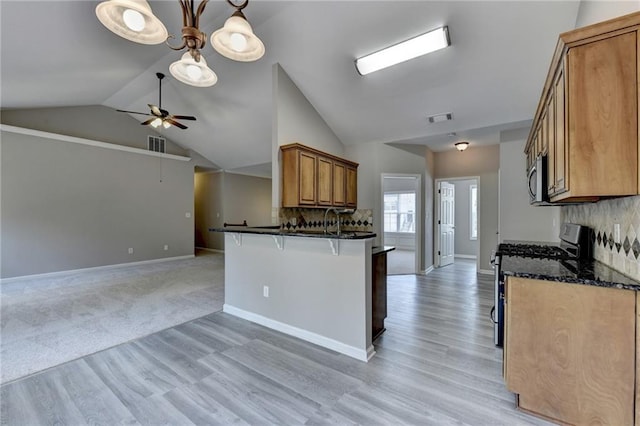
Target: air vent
[
  {"x": 440, "y": 117},
  {"x": 156, "y": 144}
]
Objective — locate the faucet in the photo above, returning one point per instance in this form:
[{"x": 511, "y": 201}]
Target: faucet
[{"x": 338, "y": 212}]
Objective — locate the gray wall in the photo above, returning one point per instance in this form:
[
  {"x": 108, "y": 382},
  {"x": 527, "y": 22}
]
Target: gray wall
[
  {"x": 463, "y": 244},
  {"x": 483, "y": 162},
  {"x": 590, "y": 12},
  {"x": 518, "y": 219},
  {"x": 228, "y": 197},
  {"x": 66, "y": 206},
  {"x": 378, "y": 158},
  {"x": 296, "y": 120},
  {"x": 95, "y": 122}
]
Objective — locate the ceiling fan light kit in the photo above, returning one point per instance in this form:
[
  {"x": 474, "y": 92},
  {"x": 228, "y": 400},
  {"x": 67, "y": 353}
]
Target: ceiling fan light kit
[
  {"x": 159, "y": 116},
  {"x": 134, "y": 20},
  {"x": 409, "y": 49}
]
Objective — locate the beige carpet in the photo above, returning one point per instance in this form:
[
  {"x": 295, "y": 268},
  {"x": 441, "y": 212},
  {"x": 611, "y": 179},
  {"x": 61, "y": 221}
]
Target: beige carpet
[{"x": 48, "y": 321}]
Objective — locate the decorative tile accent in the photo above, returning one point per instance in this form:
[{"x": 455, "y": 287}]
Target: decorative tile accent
[
  {"x": 626, "y": 245},
  {"x": 601, "y": 217},
  {"x": 310, "y": 219}
]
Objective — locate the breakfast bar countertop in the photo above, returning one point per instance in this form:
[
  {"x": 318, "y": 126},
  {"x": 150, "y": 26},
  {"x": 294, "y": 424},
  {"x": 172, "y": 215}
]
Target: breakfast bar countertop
[
  {"x": 587, "y": 272},
  {"x": 270, "y": 230}
]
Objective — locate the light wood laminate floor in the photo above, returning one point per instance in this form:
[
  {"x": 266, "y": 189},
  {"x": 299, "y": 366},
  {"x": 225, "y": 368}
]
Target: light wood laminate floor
[{"x": 435, "y": 364}]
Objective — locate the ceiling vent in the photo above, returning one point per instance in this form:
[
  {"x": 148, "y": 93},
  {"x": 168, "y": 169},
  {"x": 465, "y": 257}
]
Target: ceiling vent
[
  {"x": 448, "y": 116},
  {"x": 156, "y": 144}
]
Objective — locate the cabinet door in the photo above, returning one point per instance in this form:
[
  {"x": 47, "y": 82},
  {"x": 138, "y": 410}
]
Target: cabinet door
[
  {"x": 602, "y": 113},
  {"x": 550, "y": 143},
  {"x": 570, "y": 350},
  {"x": 325, "y": 181},
  {"x": 542, "y": 132},
  {"x": 307, "y": 173},
  {"x": 339, "y": 184},
  {"x": 352, "y": 186},
  {"x": 560, "y": 147}
]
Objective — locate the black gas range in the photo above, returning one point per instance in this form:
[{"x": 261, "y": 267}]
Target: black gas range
[{"x": 575, "y": 245}]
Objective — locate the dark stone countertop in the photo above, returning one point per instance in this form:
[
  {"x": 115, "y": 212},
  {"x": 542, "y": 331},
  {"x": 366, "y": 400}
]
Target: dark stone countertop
[
  {"x": 590, "y": 272},
  {"x": 381, "y": 249},
  {"x": 345, "y": 235}
]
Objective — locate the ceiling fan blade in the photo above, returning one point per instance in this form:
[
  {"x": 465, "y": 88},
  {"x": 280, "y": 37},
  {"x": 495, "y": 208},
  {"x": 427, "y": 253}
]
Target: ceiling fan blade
[
  {"x": 175, "y": 123},
  {"x": 155, "y": 110},
  {"x": 183, "y": 117},
  {"x": 133, "y": 112},
  {"x": 149, "y": 121}
]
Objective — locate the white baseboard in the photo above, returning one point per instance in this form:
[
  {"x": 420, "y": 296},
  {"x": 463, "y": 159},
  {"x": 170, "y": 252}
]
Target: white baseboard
[
  {"x": 485, "y": 271},
  {"x": 95, "y": 268},
  {"x": 353, "y": 352},
  {"x": 465, "y": 256},
  {"x": 211, "y": 250},
  {"x": 426, "y": 271}
]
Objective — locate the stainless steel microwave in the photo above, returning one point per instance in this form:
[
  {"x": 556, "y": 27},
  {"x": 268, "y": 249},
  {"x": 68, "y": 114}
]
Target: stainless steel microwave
[{"x": 538, "y": 182}]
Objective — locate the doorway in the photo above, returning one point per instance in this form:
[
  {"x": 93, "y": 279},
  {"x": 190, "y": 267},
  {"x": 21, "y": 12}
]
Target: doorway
[
  {"x": 401, "y": 208},
  {"x": 457, "y": 218}
]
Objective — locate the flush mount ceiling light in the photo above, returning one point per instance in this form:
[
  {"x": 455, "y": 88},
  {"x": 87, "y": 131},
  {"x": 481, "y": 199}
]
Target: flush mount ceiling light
[
  {"x": 401, "y": 52},
  {"x": 461, "y": 146},
  {"x": 134, "y": 20}
]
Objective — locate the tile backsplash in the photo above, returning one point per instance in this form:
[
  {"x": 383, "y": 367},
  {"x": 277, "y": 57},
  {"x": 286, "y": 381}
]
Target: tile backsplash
[
  {"x": 623, "y": 256},
  {"x": 310, "y": 219}
]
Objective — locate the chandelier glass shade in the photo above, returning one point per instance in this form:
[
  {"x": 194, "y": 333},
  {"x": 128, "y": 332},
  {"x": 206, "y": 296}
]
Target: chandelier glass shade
[
  {"x": 237, "y": 41},
  {"x": 193, "y": 73},
  {"x": 134, "y": 20}
]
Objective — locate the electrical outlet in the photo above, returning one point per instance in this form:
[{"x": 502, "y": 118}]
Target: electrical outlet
[
  {"x": 616, "y": 233},
  {"x": 130, "y": 250},
  {"x": 166, "y": 247},
  {"x": 265, "y": 291}
]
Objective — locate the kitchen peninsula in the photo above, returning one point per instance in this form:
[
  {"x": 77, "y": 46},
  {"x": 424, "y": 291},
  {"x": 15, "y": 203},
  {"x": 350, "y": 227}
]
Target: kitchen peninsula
[{"x": 312, "y": 285}]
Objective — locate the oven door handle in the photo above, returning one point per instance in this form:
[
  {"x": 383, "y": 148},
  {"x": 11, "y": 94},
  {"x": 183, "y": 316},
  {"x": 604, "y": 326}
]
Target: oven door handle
[{"x": 492, "y": 315}]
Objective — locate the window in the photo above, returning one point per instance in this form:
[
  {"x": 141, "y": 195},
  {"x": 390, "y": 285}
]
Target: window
[
  {"x": 473, "y": 212},
  {"x": 399, "y": 212}
]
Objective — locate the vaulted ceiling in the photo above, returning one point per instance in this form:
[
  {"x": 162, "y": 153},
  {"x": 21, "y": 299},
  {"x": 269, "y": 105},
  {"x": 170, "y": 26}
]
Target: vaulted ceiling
[{"x": 56, "y": 53}]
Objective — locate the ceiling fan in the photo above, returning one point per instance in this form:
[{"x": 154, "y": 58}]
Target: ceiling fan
[{"x": 161, "y": 116}]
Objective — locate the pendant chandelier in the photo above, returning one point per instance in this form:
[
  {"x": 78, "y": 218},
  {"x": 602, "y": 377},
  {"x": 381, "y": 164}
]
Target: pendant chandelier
[{"x": 134, "y": 20}]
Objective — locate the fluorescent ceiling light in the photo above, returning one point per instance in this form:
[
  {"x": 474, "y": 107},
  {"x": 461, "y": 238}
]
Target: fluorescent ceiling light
[{"x": 401, "y": 52}]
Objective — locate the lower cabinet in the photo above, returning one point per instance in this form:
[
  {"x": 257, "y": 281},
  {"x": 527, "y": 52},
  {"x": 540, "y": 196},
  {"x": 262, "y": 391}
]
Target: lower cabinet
[
  {"x": 570, "y": 351},
  {"x": 378, "y": 294}
]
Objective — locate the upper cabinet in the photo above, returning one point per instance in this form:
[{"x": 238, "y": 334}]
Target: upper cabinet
[
  {"x": 312, "y": 178},
  {"x": 587, "y": 118}
]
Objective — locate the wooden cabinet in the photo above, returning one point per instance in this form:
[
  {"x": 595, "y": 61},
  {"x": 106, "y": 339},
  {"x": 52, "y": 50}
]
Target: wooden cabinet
[
  {"x": 339, "y": 184},
  {"x": 378, "y": 294},
  {"x": 570, "y": 351},
  {"x": 325, "y": 181},
  {"x": 557, "y": 175},
  {"x": 312, "y": 178},
  {"x": 589, "y": 108},
  {"x": 352, "y": 186}
]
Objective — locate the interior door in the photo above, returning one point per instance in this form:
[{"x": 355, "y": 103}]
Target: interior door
[{"x": 446, "y": 226}]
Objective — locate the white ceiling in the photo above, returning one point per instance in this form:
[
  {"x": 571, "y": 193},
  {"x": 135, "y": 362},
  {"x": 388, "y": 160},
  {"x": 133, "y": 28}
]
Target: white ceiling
[{"x": 56, "y": 53}]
